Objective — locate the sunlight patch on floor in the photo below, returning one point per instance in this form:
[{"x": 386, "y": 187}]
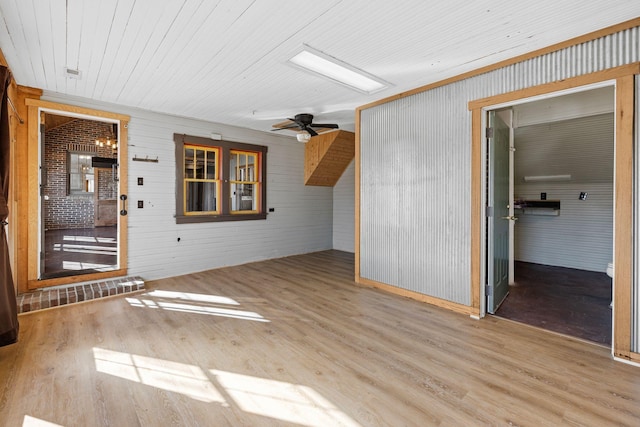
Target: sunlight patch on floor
[
  {"x": 83, "y": 249},
  {"x": 37, "y": 422},
  {"x": 214, "y": 299},
  {"x": 278, "y": 400},
  {"x": 74, "y": 265},
  {"x": 194, "y": 303},
  {"x": 175, "y": 377},
  {"x": 281, "y": 400},
  {"x": 89, "y": 239}
]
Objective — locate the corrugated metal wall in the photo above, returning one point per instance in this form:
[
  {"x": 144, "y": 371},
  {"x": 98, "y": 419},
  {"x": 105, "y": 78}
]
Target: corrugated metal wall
[{"x": 415, "y": 169}]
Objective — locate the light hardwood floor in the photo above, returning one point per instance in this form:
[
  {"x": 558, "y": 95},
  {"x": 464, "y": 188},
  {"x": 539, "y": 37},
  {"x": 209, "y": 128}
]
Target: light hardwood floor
[{"x": 295, "y": 341}]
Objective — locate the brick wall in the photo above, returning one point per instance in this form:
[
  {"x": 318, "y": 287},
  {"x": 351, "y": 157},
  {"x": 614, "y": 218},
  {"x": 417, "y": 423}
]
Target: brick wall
[{"x": 63, "y": 211}]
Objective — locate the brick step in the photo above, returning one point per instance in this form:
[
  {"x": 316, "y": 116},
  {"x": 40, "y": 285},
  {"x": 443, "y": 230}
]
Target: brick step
[{"x": 59, "y": 296}]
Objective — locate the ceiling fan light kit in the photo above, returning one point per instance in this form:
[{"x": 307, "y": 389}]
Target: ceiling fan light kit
[
  {"x": 303, "y": 123},
  {"x": 303, "y": 137}
]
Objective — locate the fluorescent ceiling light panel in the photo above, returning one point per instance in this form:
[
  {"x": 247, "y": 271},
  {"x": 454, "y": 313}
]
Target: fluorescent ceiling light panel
[
  {"x": 539, "y": 178},
  {"x": 338, "y": 71}
]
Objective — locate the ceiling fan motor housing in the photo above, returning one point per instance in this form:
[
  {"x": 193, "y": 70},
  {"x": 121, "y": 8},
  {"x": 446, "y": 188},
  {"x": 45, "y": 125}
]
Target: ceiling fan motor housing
[{"x": 304, "y": 119}]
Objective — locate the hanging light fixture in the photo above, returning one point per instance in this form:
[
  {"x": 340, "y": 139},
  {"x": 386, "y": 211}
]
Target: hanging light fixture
[{"x": 109, "y": 139}]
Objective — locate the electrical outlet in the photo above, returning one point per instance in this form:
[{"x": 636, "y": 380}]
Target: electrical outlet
[
  {"x": 140, "y": 204},
  {"x": 543, "y": 196}
]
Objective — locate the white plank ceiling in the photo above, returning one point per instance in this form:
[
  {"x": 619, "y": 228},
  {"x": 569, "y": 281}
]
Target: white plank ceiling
[{"x": 226, "y": 61}]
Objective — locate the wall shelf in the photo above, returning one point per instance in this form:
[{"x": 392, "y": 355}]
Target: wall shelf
[{"x": 538, "y": 207}]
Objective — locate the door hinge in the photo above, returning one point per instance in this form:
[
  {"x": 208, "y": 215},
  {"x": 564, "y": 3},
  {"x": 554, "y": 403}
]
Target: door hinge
[
  {"x": 488, "y": 290},
  {"x": 489, "y": 132},
  {"x": 489, "y": 212}
]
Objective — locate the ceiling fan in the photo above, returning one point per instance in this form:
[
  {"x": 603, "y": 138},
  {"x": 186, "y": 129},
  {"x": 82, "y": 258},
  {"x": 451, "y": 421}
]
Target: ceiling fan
[{"x": 303, "y": 122}]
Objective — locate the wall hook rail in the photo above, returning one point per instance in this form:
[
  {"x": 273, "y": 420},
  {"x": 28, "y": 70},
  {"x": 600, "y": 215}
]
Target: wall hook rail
[{"x": 146, "y": 159}]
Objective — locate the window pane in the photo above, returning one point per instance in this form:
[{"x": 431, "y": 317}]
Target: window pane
[
  {"x": 188, "y": 163},
  {"x": 211, "y": 165},
  {"x": 251, "y": 167},
  {"x": 85, "y": 164},
  {"x": 201, "y": 197},
  {"x": 233, "y": 164},
  {"x": 199, "y": 164},
  {"x": 73, "y": 163},
  {"x": 88, "y": 183},
  {"x": 75, "y": 182},
  {"x": 243, "y": 197}
]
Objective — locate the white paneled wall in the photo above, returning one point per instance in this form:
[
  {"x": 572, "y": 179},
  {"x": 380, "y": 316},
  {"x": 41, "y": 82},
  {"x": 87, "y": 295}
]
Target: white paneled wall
[
  {"x": 344, "y": 211},
  {"x": 301, "y": 223},
  {"x": 580, "y": 237}
]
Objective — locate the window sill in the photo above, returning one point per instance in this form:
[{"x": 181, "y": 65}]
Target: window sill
[{"x": 196, "y": 219}]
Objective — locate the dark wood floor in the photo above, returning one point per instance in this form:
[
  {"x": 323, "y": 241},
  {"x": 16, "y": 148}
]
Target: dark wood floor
[
  {"x": 70, "y": 252},
  {"x": 565, "y": 300}
]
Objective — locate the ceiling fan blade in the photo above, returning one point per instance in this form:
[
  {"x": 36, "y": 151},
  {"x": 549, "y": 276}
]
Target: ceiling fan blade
[
  {"x": 289, "y": 126},
  {"x": 324, "y": 125},
  {"x": 311, "y": 131}
]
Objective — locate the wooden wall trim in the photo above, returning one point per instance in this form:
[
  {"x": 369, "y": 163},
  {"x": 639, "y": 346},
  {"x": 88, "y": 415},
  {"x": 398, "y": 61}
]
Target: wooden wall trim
[
  {"x": 33, "y": 122},
  {"x": 123, "y": 184},
  {"x": 476, "y": 209},
  {"x": 623, "y": 217},
  {"x": 22, "y": 180},
  {"x": 524, "y": 57},
  {"x": 357, "y": 198},
  {"x": 453, "y": 306},
  {"x": 76, "y": 110},
  {"x": 633, "y": 357}
]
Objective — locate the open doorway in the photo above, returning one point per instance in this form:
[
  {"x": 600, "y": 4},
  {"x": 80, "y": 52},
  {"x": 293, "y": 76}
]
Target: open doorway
[
  {"x": 558, "y": 216},
  {"x": 79, "y": 188}
]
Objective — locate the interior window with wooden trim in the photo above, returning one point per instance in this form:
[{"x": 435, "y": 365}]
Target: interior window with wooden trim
[
  {"x": 243, "y": 179},
  {"x": 201, "y": 180},
  {"x": 219, "y": 180}
]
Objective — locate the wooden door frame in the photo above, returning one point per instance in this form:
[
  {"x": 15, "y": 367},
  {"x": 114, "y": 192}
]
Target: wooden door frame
[
  {"x": 34, "y": 107},
  {"x": 624, "y": 77}
]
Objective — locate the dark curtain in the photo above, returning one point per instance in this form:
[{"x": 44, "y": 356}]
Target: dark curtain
[{"x": 8, "y": 307}]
